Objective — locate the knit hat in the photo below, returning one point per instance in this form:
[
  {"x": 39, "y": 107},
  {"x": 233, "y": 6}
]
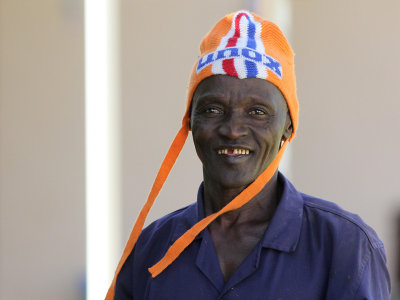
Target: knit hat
[{"x": 241, "y": 45}]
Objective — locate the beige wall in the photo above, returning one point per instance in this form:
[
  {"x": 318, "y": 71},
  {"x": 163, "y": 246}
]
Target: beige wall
[
  {"x": 42, "y": 208},
  {"x": 347, "y": 149}
]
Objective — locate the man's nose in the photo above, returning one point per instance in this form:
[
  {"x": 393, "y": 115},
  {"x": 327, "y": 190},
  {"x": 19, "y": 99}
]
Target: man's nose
[{"x": 233, "y": 127}]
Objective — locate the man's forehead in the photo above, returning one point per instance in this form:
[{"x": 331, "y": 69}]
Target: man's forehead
[{"x": 223, "y": 86}]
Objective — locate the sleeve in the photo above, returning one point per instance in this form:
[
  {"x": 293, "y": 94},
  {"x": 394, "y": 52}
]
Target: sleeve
[
  {"x": 374, "y": 280},
  {"x": 124, "y": 285}
]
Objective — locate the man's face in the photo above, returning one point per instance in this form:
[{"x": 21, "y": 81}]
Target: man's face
[{"x": 237, "y": 127}]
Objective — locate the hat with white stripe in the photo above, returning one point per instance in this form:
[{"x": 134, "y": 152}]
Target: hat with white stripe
[{"x": 243, "y": 45}]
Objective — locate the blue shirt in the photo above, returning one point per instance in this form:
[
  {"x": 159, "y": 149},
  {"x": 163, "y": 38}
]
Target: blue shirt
[{"x": 312, "y": 249}]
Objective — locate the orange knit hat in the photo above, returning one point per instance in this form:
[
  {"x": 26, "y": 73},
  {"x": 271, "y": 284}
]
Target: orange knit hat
[{"x": 242, "y": 45}]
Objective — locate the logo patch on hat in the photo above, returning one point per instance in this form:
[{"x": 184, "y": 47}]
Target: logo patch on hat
[{"x": 241, "y": 52}]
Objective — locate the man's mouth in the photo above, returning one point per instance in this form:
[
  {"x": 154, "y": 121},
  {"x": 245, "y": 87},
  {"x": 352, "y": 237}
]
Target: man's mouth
[{"x": 233, "y": 151}]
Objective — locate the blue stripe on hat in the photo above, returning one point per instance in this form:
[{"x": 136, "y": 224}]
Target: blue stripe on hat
[
  {"x": 251, "y": 69},
  {"x": 251, "y": 42}
]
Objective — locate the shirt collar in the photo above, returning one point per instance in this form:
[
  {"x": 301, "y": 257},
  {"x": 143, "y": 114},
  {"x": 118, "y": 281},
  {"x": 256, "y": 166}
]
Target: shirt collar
[
  {"x": 283, "y": 231},
  {"x": 190, "y": 216}
]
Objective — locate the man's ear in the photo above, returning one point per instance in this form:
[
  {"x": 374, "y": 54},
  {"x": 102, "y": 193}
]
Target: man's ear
[
  {"x": 190, "y": 114},
  {"x": 190, "y": 118},
  {"x": 288, "y": 128}
]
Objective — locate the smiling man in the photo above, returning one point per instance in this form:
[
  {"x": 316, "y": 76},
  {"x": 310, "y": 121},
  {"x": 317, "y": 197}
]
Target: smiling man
[
  {"x": 238, "y": 126},
  {"x": 251, "y": 234}
]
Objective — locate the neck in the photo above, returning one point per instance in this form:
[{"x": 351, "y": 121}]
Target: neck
[{"x": 260, "y": 208}]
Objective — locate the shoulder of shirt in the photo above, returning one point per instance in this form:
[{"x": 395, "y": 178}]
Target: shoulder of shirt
[
  {"x": 173, "y": 216},
  {"x": 168, "y": 224},
  {"x": 334, "y": 213}
]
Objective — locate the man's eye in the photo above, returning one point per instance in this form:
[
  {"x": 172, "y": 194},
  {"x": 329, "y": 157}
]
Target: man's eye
[
  {"x": 213, "y": 110},
  {"x": 257, "y": 112}
]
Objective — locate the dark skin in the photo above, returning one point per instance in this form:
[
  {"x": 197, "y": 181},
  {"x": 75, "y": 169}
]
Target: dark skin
[{"x": 238, "y": 126}]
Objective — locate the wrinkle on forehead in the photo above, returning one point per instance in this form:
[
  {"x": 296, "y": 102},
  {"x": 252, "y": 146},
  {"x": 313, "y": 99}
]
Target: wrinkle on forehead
[{"x": 216, "y": 87}]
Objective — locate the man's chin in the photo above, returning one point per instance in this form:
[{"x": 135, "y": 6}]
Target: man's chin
[{"x": 235, "y": 183}]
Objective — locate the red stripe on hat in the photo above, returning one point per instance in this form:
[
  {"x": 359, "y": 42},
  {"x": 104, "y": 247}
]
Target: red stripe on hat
[
  {"x": 229, "y": 67},
  {"x": 228, "y": 64},
  {"x": 233, "y": 40}
]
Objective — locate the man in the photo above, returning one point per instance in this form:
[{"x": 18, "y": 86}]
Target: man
[{"x": 251, "y": 234}]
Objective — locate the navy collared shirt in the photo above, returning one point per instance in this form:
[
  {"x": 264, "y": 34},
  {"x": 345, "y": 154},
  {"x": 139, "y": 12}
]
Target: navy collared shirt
[{"x": 312, "y": 249}]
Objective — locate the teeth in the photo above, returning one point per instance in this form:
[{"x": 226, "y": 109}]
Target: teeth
[{"x": 234, "y": 151}]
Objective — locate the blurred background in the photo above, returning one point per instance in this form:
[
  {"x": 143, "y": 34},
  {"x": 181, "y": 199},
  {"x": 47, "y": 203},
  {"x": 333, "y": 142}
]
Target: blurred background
[{"x": 347, "y": 148}]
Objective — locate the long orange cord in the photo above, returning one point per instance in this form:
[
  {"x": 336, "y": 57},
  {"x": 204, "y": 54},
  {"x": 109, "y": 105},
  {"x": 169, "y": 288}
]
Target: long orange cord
[{"x": 162, "y": 175}]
